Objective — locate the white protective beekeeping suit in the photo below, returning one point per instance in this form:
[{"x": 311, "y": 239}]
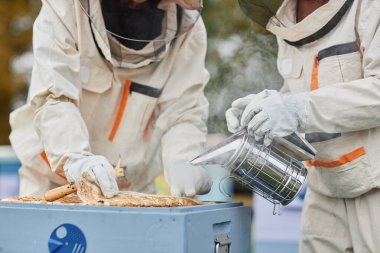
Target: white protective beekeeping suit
[
  {"x": 330, "y": 62},
  {"x": 86, "y": 99},
  {"x": 332, "y": 58}
]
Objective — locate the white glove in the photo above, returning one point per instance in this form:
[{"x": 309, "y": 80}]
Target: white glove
[
  {"x": 234, "y": 113},
  {"x": 275, "y": 115},
  {"x": 97, "y": 167},
  {"x": 186, "y": 179}
]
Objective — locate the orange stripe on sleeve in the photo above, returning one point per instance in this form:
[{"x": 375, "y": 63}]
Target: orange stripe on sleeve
[
  {"x": 309, "y": 163},
  {"x": 120, "y": 112},
  {"x": 45, "y": 159},
  {"x": 314, "y": 74},
  {"x": 61, "y": 176},
  {"x": 349, "y": 157}
]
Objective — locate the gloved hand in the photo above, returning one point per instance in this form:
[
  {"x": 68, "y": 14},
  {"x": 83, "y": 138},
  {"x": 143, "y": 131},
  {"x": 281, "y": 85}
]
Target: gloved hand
[
  {"x": 275, "y": 115},
  {"x": 234, "y": 113},
  {"x": 186, "y": 179},
  {"x": 97, "y": 167}
]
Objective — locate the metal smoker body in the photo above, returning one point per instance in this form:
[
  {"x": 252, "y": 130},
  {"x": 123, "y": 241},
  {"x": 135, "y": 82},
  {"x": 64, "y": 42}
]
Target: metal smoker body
[{"x": 275, "y": 172}]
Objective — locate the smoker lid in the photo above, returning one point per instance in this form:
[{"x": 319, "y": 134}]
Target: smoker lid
[{"x": 299, "y": 147}]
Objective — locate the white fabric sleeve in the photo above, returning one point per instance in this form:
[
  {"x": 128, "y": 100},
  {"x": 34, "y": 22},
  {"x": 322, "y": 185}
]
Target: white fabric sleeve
[
  {"x": 55, "y": 90},
  {"x": 183, "y": 108},
  {"x": 354, "y": 105}
]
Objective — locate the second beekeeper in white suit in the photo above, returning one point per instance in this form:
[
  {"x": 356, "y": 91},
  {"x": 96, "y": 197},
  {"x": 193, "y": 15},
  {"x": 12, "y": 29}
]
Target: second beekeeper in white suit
[
  {"x": 329, "y": 57},
  {"x": 114, "y": 78}
]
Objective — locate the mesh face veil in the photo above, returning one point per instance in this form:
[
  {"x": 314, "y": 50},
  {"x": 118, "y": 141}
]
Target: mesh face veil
[
  {"x": 139, "y": 31},
  {"x": 261, "y": 11}
]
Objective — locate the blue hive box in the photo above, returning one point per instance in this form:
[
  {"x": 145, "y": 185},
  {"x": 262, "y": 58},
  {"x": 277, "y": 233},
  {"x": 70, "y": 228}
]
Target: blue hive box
[{"x": 220, "y": 228}]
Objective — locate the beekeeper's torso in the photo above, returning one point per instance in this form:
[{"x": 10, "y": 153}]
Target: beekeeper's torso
[
  {"x": 84, "y": 99},
  {"x": 332, "y": 58}
]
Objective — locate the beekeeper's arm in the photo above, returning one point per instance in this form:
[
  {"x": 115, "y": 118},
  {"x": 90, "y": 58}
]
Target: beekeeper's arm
[
  {"x": 55, "y": 93},
  {"x": 340, "y": 107},
  {"x": 183, "y": 115}
]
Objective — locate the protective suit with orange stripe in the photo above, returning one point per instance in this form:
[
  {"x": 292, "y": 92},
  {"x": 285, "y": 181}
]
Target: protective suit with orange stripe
[
  {"x": 103, "y": 87},
  {"x": 330, "y": 62}
]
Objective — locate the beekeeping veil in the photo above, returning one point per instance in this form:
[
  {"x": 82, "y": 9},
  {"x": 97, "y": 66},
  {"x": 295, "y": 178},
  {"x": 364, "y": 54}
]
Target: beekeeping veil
[
  {"x": 261, "y": 11},
  {"x": 140, "y": 31}
]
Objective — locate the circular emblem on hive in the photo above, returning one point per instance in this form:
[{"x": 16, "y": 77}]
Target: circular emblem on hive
[{"x": 67, "y": 238}]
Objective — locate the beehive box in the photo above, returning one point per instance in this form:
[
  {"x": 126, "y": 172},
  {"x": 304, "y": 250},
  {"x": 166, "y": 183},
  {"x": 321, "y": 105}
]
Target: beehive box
[{"x": 72, "y": 228}]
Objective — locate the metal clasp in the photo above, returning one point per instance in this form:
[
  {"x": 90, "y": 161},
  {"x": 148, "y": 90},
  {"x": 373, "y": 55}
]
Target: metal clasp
[
  {"x": 222, "y": 243},
  {"x": 277, "y": 209}
]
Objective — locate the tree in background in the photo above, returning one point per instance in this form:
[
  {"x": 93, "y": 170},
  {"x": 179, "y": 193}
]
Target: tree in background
[
  {"x": 241, "y": 57},
  {"x": 16, "y": 19}
]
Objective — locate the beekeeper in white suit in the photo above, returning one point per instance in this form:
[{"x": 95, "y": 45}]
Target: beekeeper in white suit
[
  {"x": 114, "y": 78},
  {"x": 329, "y": 57}
]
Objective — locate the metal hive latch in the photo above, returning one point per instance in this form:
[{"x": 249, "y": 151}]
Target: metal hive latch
[{"x": 222, "y": 243}]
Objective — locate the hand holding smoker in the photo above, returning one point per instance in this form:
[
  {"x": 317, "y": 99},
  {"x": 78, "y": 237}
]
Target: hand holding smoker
[{"x": 274, "y": 172}]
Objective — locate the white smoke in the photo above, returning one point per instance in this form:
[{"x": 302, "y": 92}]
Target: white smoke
[{"x": 239, "y": 65}]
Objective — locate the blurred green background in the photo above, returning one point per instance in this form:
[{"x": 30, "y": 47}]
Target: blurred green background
[{"x": 241, "y": 58}]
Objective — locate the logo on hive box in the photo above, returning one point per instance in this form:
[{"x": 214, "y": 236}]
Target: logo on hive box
[{"x": 67, "y": 238}]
